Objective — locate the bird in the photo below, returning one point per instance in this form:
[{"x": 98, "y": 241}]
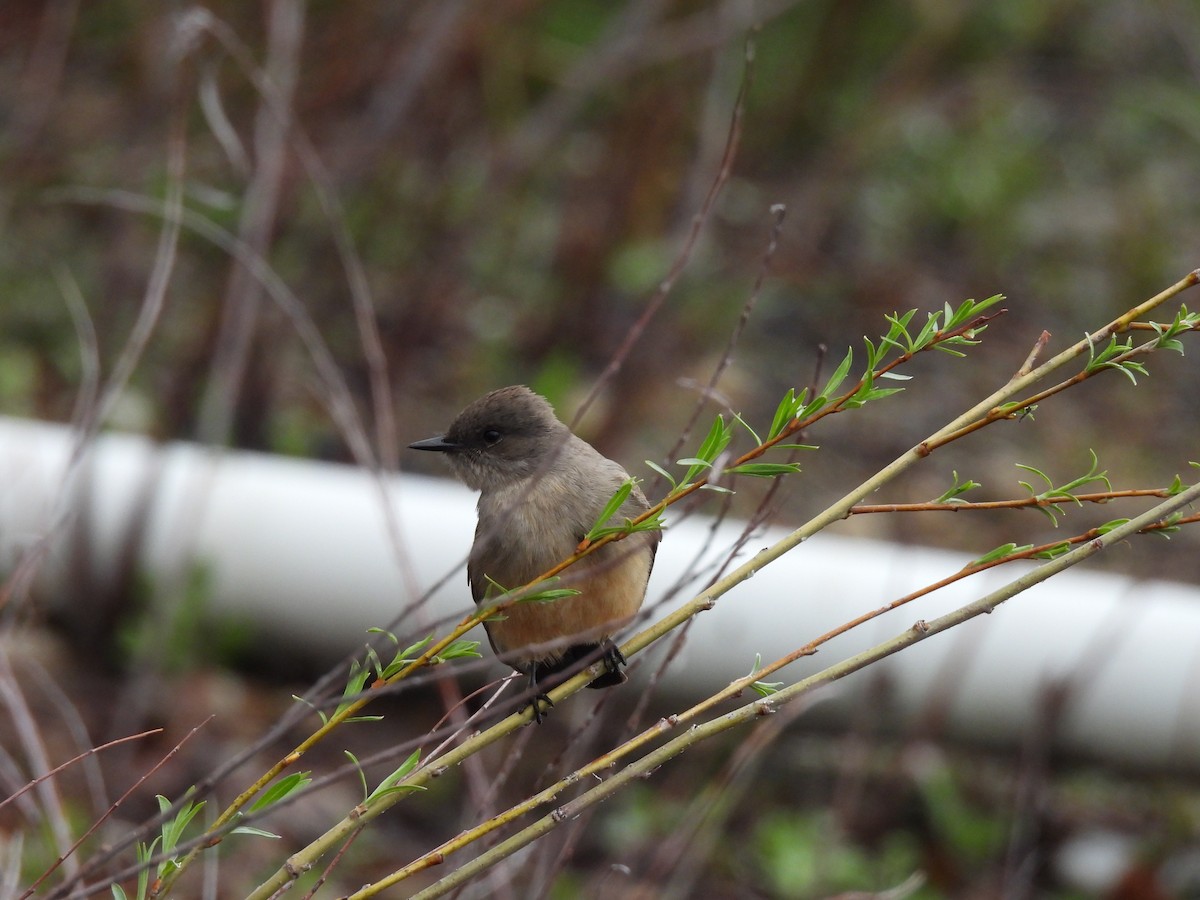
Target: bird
[{"x": 541, "y": 490}]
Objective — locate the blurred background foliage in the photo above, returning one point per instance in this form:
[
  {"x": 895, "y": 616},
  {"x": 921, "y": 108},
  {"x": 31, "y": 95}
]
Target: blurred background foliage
[{"x": 518, "y": 177}]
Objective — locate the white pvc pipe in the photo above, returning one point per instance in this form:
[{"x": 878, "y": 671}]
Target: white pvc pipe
[{"x": 302, "y": 549}]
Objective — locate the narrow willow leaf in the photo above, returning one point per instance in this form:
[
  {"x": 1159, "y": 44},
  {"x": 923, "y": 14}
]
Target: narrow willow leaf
[
  {"x": 1053, "y": 552},
  {"x": 999, "y": 553},
  {"x": 753, "y": 434},
  {"x": 460, "y": 649},
  {"x": 816, "y": 405},
  {"x": 550, "y": 596},
  {"x": 389, "y": 786},
  {"x": 766, "y": 688},
  {"x": 867, "y": 394},
  {"x": 314, "y": 708},
  {"x": 362, "y": 776},
  {"x": 282, "y": 788},
  {"x": 764, "y": 470},
  {"x": 611, "y": 508},
  {"x": 928, "y": 330},
  {"x": 839, "y": 375},
  {"x": 899, "y": 330},
  {"x": 252, "y": 830},
  {"x": 663, "y": 472},
  {"x": 785, "y": 412},
  {"x": 717, "y": 439},
  {"x": 952, "y": 495},
  {"x": 413, "y": 651},
  {"x": 872, "y": 354}
]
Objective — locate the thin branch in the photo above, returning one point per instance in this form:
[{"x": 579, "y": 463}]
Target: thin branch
[
  {"x": 1019, "y": 503},
  {"x": 1038, "y": 347}
]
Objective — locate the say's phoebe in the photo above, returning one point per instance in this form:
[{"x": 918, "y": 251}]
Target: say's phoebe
[{"x": 541, "y": 490}]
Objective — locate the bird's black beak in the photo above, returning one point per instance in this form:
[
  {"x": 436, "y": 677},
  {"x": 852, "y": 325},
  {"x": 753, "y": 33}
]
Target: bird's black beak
[{"x": 439, "y": 444}]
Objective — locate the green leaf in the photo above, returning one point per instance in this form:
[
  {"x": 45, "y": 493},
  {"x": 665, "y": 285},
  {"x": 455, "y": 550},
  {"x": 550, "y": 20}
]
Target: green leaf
[
  {"x": 1166, "y": 334},
  {"x": 816, "y": 405},
  {"x": 1109, "y": 357},
  {"x": 766, "y": 688},
  {"x": 927, "y": 332},
  {"x": 950, "y": 350},
  {"x": 415, "y": 650},
  {"x": 866, "y": 394},
  {"x": 998, "y": 553},
  {"x": 313, "y": 707},
  {"x": 753, "y": 434},
  {"x": 252, "y": 830},
  {"x": 968, "y": 310},
  {"x": 144, "y": 854},
  {"x": 611, "y": 508},
  {"x": 764, "y": 470},
  {"x": 958, "y": 488},
  {"x": 715, "y": 442},
  {"x": 548, "y": 596},
  {"x": 654, "y": 523},
  {"x": 785, "y": 413},
  {"x": 459, "y": 649},
  {"x": 1039, "y": 473},
  {"x": 494, "y": 588},
  {"x": 899, "y": 330},
  {"x": 173, "y": 829},
  {"x": 873, "y": 355},
  {"x": 763, "y": 688},
  {"x": 389, "y": 785},
  {"x": 282, "y": 788},
  {"x": 354, "y": 686},
  {"x": 663, "y": 472},
  {"x": 362, "y": 777},
  {"x": 1053, "y": 552},
  {"x": 839, "y": 375}
]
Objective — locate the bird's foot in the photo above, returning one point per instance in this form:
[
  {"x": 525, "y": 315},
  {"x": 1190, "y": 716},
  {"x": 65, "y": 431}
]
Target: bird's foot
[
  {"x": 613, "y": 657},
  {"x": 538, "y": 697},
  {"x": 535, "y": 702}
]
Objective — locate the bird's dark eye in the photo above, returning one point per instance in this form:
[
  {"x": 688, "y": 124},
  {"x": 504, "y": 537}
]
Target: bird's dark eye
[{"x": 491, "y": 436}]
